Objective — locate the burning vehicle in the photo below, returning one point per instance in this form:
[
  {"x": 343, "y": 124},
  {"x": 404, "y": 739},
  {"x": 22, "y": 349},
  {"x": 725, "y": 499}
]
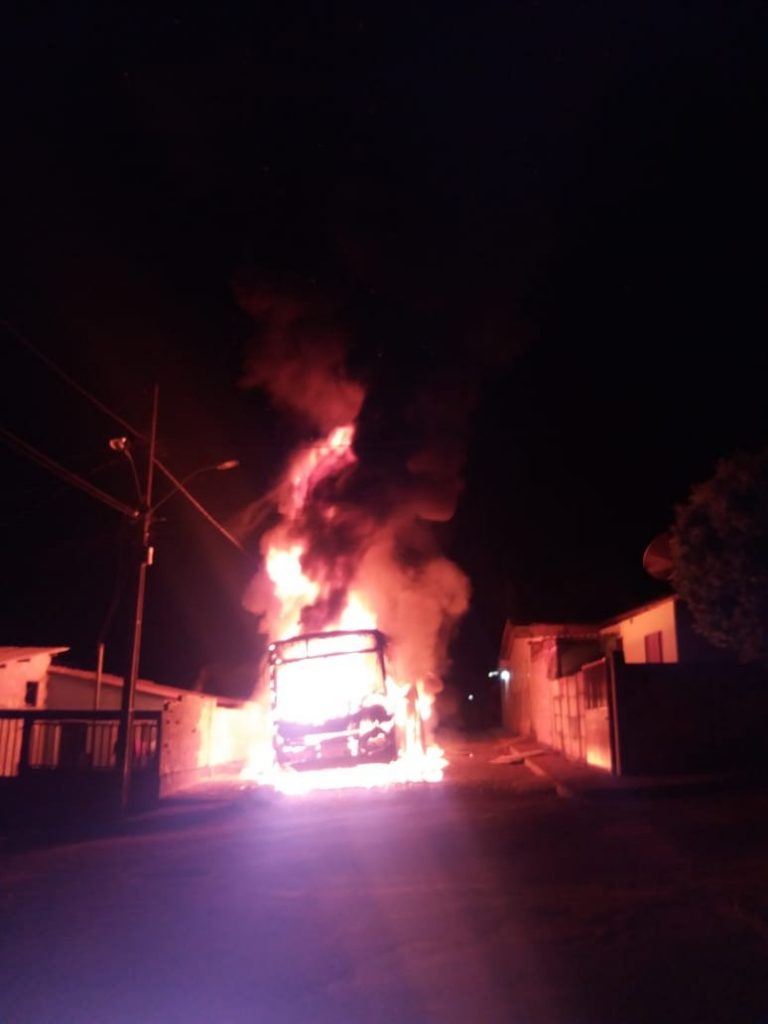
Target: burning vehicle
[
  {"x": 351, "y": 586},
  {"x": 332, "y": 701}
]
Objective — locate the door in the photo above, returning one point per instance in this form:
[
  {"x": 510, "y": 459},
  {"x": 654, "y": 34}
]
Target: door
[{"x": 597, "y": 725}]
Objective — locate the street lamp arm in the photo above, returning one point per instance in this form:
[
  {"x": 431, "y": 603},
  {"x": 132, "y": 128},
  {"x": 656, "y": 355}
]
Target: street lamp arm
[
  {"x": 179, "y": 486},
  {"x": 122, "y": 445},
  {"x": 219, "y": 466}
]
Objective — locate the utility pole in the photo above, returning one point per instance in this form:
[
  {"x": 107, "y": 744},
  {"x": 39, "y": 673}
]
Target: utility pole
[
  {"x": 99, "y": 675},
  {"x": 143, "y": 515},
  {"x": 125, "y": 728}
]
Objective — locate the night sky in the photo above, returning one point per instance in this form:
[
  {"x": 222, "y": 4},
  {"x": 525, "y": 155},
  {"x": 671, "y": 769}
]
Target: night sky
[{"x": 541, "y": 225}]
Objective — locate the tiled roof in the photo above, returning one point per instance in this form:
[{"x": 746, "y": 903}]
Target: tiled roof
[{"x": 8, "y": 654}]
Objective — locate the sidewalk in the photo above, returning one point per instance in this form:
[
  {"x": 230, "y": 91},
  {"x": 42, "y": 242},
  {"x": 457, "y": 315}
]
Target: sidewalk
[{"x": 574, "y": 779}]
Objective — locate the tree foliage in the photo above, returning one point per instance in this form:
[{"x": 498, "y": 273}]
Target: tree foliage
[{"x": 720, "y": 556}]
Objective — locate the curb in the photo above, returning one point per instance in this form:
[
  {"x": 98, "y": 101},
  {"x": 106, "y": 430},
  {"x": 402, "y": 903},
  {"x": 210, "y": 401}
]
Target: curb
[
  {"x": 561, "y": 790},
  {"x": 630, "y": 788}
]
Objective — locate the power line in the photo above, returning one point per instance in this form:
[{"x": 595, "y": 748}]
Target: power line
[
  {"x": 55, "y": 368},
  {"x": 71, "y": 478},
  {"x": 200, "y": 508}
]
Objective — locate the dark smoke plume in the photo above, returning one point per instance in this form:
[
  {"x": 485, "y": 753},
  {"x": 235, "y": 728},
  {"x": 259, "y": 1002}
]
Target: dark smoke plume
[
  {"x": 365, "y": 524},
  {"x": 299, "y": 358}
]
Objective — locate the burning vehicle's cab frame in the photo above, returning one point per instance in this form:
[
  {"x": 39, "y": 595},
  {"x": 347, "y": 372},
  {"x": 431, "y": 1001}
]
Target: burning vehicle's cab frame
[{"x": 331, "y": 699}]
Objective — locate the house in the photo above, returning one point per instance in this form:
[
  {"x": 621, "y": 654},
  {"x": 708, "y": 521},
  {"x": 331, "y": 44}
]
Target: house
[
  {"x": 200, "y": 732},
  {"x": 640, "y": 693},
  {"x": 24, "y": 676},
  {"x": 70, "y": 719},
  {"x": 73, "y": 689}
]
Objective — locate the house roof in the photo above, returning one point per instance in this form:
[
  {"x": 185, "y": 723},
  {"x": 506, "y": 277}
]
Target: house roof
[
  {"x": 142, "y": 685},
  {"x": 639, "y": 610},
  {"x": 10, "y": 654},
  {"x": 577, "y": 630},
  {"x": 574, "y": 630}
]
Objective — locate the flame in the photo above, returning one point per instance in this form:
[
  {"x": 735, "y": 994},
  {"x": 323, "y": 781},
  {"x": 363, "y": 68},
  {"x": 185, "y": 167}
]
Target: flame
[
  {"x": 284, "y": 569},
  {"x": 408, "y": 769},
  {"x": 316, "y": 689},
  {"x": 356, "y": 615},
  {"x": 416, "y": 763},
  {"x": 311, "y": 465}
]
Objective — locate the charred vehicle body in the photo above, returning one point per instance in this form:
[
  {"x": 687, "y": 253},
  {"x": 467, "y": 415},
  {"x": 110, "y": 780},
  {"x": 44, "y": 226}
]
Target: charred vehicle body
[{"x": 331, "y": 701}]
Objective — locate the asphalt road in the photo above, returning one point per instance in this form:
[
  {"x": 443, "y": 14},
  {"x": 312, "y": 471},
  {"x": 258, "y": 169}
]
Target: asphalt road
[{"x": 479, "y": 899}]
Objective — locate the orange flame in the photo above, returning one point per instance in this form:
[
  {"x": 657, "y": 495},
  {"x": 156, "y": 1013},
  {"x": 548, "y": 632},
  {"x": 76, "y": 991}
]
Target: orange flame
[{"x": 335, "y": 681}]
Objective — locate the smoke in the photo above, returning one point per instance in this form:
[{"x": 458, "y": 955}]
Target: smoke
[
  {"x": 299, "y": 359},
  {"x": 435, "y": 469},
  {"x": 356, "y": 524},
  {"x": 416, "y": 605}
]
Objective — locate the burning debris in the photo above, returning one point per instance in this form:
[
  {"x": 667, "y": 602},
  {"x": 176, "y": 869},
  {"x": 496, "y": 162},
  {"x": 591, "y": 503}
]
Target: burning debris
[{"x": 351, "y": 557}]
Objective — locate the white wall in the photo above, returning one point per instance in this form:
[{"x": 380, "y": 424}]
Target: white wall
[
  {"x": 72, "y": 689},
  {"x": 14, "y": 676},
  {"x": 543, "y": 654},
  {"x": 198, "y": 735},
  {"x": 528, "y": 697},
  {"x": 634, "y": 628}
]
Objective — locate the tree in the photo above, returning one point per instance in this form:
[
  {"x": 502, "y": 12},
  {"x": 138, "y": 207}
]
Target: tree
[{"x": 720, "y": 556}]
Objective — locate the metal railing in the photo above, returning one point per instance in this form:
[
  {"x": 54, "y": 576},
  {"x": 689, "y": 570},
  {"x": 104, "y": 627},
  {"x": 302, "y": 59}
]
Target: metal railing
[
  {"x": 11, "y": 729},
  {"x": 84, "y": 741}
]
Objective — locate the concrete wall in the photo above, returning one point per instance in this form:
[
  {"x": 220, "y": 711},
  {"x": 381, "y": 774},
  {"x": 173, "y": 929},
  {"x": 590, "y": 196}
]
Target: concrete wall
[
  {"x": 634, "y": 628},
  {"x": 186, "y": 736},
  {"x": 528, "y": 696},
  {"x": 542, "y": 670},
  {"x": 691, "y": 648},
  {"x": 516, "y": 709},
  {"x": 72, "y": 689},
  {"x": 199, "y": 736},
  {"x": 688, "y": 718},
  {"x": 14, "y": 676},
  {"x": 696, "y": 711},
  {"x": 534, "y": 662}
]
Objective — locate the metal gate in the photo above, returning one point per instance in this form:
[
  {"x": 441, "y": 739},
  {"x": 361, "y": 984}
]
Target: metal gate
[
  {"x": 567, "y": 718},
  {"x": 581, "y": 726},
  {"x": 597, "y": 722}
]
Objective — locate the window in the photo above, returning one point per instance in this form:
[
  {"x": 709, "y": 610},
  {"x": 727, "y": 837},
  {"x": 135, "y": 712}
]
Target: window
[
  {"x": 653, "y": 647},
  {"x": 30, "y": 694}
]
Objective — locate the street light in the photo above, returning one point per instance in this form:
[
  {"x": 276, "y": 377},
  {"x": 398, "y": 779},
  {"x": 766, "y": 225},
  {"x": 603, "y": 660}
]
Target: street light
[
  {"x": 144, "y": 515},
  {"x": 123, "y": 445},
  {"x": 219, "y": 467}
]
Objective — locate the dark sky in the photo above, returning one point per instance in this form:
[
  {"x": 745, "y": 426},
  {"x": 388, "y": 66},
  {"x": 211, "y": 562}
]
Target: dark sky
[{"x": 555, "y": 208}]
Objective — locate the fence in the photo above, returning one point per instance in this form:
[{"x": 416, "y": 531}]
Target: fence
[
  {"x": 11, "y": 730},
  {"x": 55, "y": 754}
]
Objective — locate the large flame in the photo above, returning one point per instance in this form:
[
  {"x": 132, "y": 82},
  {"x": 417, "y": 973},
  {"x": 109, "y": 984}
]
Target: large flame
[{"x": 318, "y": 689}]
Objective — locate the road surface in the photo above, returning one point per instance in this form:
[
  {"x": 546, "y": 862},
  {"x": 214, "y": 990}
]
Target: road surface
[{"x": 483, "y": 898}]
